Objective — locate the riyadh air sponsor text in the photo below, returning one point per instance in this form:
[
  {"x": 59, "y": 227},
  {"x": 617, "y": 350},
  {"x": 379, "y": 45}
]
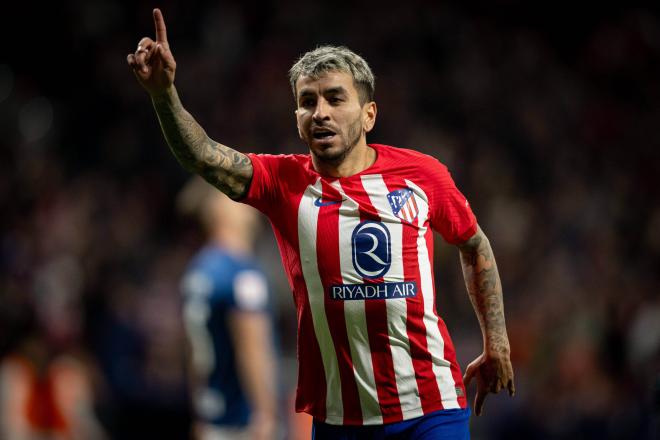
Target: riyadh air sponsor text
[{"x": 345, "y": 292}]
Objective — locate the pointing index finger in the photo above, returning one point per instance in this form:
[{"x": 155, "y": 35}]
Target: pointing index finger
[{"x": 159, "y": 23}]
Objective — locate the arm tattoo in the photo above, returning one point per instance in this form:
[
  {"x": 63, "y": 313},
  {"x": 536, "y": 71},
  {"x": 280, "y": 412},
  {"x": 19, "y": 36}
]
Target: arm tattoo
[
  {"x": 228, "y": 170},
  {"x": 485, "y": 289}
]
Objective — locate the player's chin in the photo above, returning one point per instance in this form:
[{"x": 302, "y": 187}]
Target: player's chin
[{"x": 328, "y": 149}]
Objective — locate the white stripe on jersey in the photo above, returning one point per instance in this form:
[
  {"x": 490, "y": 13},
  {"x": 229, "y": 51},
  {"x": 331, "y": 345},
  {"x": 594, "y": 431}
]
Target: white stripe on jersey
[
  {"x": 397, "y": 308},
  {"x": 356, "y": 318},
  {"x": 436, "y": 345},
  {"x": 307, "y": 227}
]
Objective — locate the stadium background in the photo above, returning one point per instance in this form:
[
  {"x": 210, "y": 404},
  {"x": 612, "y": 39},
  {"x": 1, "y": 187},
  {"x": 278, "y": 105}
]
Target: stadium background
[{"x": 547, "y": 115}]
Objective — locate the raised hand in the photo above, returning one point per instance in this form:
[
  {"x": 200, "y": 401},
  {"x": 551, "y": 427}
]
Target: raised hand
[
  {"x": 153, "y": 63},
  {"x": 493, "y": 374}
]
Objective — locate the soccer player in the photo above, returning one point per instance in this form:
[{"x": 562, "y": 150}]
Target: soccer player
[
  {"x": 354, "y": 226},
  {"x": 227, "y": 316}
]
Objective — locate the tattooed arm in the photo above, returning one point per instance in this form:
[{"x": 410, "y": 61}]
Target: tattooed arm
[
  {"x": 154, "y": 67},
  {"x": 492, "y": 368},
  {"x": 221, "y": 166}
]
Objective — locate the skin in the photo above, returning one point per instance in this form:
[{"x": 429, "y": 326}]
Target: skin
[
  {"x": 492, "y": 369},
  {"x": 154, "y": 67},
  {"x": 329, "y": 102}
]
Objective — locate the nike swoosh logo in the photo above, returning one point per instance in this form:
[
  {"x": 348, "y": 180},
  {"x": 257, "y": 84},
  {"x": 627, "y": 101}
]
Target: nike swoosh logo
[{"x": 318, "y": 202}]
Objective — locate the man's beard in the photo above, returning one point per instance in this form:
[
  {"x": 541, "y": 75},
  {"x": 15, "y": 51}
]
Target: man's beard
[{"x": 352, "y": 138}]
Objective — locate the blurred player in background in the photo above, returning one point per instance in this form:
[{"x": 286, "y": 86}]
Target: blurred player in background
[
  {"x": 354, "y": 224},
  {"x": 227, "y": 315}
]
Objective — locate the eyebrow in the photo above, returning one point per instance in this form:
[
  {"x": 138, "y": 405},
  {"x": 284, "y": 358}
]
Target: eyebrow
[
  {"x": 306, "y": 92},
  {"x": 334, "y": 90},
  {"x": 330, "y": 91}
]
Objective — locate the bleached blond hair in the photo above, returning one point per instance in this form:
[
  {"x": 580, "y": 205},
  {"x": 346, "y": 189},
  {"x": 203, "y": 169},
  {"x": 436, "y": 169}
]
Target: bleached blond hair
[{"x": 324, "y": 59}]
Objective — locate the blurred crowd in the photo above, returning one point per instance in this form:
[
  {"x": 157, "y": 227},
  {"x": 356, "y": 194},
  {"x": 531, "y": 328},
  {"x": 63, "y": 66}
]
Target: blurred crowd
[{"x": 547, "y": 117}]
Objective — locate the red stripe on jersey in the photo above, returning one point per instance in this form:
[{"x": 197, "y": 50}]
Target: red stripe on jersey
[
  {"x": 404, "y": 213},
  {"x": 312, "y": 388},
  {"x": 414, "y": 207},
  {"x": 327, "y": 237},
  {"x": 427, "y": 383},
  {"x": 376, "y": 317},
  {"x": 449, "y": 351}
]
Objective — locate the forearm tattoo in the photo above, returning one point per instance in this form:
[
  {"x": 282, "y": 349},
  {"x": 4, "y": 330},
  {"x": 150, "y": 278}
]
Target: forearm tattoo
[
  {"x": 485, "y": 289},
  {"x": 227, "y": 169}
]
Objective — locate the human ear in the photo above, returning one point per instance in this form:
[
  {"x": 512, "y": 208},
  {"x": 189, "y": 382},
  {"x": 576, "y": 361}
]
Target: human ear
[{"x": 369, "y": 116}]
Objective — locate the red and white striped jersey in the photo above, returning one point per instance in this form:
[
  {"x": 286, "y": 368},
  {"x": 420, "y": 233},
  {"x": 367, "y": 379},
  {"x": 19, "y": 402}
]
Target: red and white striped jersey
[{"x": 358, "y": 253}]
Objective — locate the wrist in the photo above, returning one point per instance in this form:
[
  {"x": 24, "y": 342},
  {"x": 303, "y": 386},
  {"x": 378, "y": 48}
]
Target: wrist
[
  {"x": 167, "y": 94},
  {"x": 497, "y": 346},
  {"x": 497, "y": 352}
]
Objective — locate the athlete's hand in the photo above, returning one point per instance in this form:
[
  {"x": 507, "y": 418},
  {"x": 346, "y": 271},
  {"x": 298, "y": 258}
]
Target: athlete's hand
[
  {"x": 153, "y": 63},
  {"x": 493, "y": 373}
]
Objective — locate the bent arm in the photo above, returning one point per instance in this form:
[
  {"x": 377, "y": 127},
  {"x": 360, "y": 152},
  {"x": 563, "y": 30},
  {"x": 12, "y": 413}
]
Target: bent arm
[
  {"x": 228, "y": 170},
  {"x": 485, "y": 289}
]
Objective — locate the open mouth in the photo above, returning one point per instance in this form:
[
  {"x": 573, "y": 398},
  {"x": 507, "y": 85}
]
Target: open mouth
[{"x": 323, "y": 134}]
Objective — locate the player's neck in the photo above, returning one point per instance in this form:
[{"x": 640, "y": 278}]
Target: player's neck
[
  {"x": 232, "y": 241},
  {"x": 361, "y": 157}
]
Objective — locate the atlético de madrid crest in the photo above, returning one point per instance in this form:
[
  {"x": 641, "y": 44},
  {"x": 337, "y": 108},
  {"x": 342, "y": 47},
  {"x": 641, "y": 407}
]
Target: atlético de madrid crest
[{"x": 403, "y": 204}]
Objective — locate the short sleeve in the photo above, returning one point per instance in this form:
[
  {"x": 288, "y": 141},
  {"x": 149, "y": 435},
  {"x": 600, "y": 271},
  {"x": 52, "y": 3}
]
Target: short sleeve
[
  {"x": 250, "y": 291},
  {"x": 261, "y": 193},
  {"x": 450, "y": 213}
]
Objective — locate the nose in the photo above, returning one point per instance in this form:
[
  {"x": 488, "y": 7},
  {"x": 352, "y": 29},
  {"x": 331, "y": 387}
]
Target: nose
[{"x": 321, "y": 111}]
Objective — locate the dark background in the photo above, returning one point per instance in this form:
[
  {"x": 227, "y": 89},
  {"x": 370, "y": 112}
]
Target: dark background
[{"x": 547, "y": 114}]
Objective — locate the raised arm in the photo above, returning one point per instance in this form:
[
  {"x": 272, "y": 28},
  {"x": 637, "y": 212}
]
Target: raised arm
[
  {"x": 492, "y": 368},
  {"x": 154, "y": 67}
]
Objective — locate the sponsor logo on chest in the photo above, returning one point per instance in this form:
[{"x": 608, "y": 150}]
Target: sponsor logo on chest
[
  {"x": 405, "y": 289},
  {"x": 371, "y": 251}
]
